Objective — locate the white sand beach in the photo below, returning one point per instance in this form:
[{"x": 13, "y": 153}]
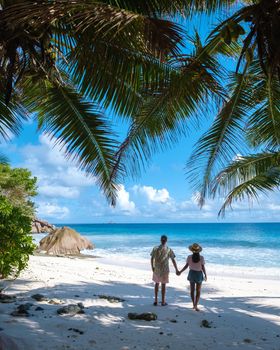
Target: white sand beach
[{"x": 242, "y": 307}]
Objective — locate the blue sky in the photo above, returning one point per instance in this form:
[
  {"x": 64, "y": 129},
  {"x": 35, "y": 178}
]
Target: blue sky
[{"x": 161, "y": 194}]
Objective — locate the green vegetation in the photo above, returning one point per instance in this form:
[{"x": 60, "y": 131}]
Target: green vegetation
[
  {"x": 66, "y": 61},
  {"x": 16, "y": 212}
]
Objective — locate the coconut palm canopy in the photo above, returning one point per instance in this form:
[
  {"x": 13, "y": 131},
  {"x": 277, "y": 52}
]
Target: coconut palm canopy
[
  {"x": 64, "y": 241},
  {"x": 65, "y": 61}
]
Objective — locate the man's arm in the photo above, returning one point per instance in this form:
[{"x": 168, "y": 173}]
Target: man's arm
[
  {"x": 174, "y": 264},
  {"x": 152, "y": 264}
]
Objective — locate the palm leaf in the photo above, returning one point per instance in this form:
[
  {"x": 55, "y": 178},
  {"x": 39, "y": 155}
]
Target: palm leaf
[
  {"x": 115, "y": 77},
  {"x": 163, "y": 7},
  {"x": 46, "y": 32},
  {"x": 94, "y": 19},
  {"x": 79, "y": 127},
  {"x": 264, "y": 124},
  {"x": 247, "y": 177},
  {"x": 11, "y": 118},
  {"x": 224, "y": 138},
  {"x": 161, "y": 119},
  {"x": 3, "y": 159}
]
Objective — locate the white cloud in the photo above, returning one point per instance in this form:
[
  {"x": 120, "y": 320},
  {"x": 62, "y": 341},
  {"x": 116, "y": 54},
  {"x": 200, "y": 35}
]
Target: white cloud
[
  {"x": 51, "y": 210},
  {"x": 72, "y": 176},
  {"x": 123, "y": 202},
  {"x": 56, "y": 176},
  {"x": 58, "y": 191},
  {"x": 152, "y": 194},
  {"x": 59, "y": 179},
  {"x": 274, "y": 207}
]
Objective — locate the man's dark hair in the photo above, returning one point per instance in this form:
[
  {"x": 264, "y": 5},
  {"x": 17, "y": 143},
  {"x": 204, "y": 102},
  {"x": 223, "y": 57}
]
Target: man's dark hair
[{"x": 163, "y": 238}]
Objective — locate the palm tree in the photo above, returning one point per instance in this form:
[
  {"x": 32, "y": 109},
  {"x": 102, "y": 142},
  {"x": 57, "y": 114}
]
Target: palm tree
[{"x": 67, "y": 60}]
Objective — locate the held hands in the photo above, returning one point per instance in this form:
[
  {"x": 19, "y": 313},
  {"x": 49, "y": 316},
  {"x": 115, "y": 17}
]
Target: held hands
[{"x": 178, "y": 273}]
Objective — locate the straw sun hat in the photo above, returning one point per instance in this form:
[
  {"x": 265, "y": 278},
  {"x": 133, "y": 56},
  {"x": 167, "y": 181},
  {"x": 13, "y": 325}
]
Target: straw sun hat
[{"x": 195, "y": 248}]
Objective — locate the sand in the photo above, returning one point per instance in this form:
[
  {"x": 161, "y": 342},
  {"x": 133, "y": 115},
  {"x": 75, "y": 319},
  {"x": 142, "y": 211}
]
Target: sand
[{"x": 242, "y": 308}]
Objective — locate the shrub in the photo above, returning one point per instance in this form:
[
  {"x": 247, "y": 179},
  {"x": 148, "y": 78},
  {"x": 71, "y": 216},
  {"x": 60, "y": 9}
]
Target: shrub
[{"x": 15, "y": 240}]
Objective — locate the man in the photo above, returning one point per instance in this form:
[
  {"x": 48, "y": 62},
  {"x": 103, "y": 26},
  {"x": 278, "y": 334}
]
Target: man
[{"x": 160, "y": 265}]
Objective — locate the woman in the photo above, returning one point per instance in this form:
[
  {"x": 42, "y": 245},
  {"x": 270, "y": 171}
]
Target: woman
[{"x": 196, "y": 264}]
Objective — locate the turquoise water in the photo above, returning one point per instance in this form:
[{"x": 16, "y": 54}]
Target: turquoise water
[{"x": 244, "y": 244}]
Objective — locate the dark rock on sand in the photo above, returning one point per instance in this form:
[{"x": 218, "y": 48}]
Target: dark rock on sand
[
  {"x": 4, "y": 298},
  {"x": 76, "y": 330},
  {"x": 71, "y": 309},
  {"x": 55, "y": 302},
  {"x": 111, "y": 299},
  {"x": 206, "y": 324},
  {"x": 247, "y": 340},
  {"x": 22, "y": 310},
  {"x": 39, "y": 308},
  {"x": 146, "y": 316},
  {"x": 39, "y": 297}
]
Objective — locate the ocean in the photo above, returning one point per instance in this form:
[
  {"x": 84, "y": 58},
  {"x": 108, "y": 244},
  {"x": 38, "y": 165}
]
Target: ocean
[{"x": 234, "y": 244}]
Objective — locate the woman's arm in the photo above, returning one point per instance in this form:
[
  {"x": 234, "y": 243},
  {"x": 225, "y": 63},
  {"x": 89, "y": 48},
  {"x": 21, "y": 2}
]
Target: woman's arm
[
  {"x": 204, "y": 271},
  {"x": 184, "y": 268}
]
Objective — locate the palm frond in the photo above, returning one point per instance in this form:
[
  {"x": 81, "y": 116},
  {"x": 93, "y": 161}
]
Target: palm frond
[
  {"x": 11, "y": 118},
  {"x": 116, "y": 77},
  {"x": 264, "y": 124},
  {"x": 95, "y": 19},
  {"x": 3, "y": 160},
  {"x": 81, "y": 128},
  {"x": 163, "y": 7},
  {"x": 247, "y": 177},
  {"x": 161, "y": 119},
  {"x": 223, "y": 140},
  {"x": 40, "y": 34},
  {"x": 261, "y": 21}
]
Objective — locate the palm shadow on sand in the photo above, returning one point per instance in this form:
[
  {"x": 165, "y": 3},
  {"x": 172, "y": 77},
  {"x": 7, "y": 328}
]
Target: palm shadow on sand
[{"x": 235, "y": 322}]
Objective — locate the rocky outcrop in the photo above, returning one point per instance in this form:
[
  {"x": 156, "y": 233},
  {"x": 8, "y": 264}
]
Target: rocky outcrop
[
  {"x": 64, "y": 241},
  {"x": 41, "y": 226}
]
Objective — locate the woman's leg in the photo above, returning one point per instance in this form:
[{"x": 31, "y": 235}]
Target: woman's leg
[
  {"x": 197, "y": 297},
  {"x": 192, "y": 285}
]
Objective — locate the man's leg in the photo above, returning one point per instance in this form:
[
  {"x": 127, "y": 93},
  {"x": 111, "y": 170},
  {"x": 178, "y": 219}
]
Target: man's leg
[
  {"x": 163, "y": 290},
  {"x": 156, "y": 293},
  {"x": 192, "y": 285},
  {"x": 198, "y": 289}
]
